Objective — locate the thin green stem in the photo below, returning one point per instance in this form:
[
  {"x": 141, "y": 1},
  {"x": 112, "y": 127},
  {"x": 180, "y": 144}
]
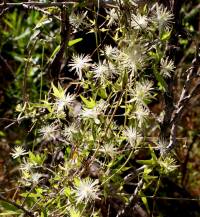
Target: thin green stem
[
  {"x": 41, "y": 72},
  {"x": 127, "y": 160}
]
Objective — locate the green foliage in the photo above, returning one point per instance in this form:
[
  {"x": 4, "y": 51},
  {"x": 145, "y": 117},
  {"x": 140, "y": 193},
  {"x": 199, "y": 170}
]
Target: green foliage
[
  {"x": 10, "y": 210},
  {"x": 87, "y": 128}
]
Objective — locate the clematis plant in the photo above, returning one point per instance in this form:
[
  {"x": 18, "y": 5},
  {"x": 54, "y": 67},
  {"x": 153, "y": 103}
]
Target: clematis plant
[{"x": 85, "y": 142}]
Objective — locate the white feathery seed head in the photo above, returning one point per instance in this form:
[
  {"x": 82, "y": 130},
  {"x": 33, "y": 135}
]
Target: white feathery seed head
[
  {"x": 166, "y": 67},
  {"x": 18, "y": 151},
  {"x": 86, "y": 190},
  {"x": 139, "y": 21},
  {"x": 79, "y": 63}
]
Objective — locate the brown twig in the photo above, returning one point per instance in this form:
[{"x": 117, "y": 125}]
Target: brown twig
[
  {"x": 107, "y": 4},
  {"x": 32, "y": 7},
  {"x": 55, "y": 66},
  {"x": 173, "y": 113},
  {"x": 185, "y": 163},
  {"x": 132, "y": 204},
  {"x": 7, "y": 65},
  {"x": 3, "y": 8},
  {"x": 184, "y": 99},
  {"x": 175, "y": 7}
]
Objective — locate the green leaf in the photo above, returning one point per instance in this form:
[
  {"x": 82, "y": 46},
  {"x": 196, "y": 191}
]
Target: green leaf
[
  {"x": 73, "y": 42},
  {"x": 34, "y": 35},
  {"x": 161, "y": 81},
  {"x": 146, "y": 162},
  {"x": 147, "y": 170},
  {"x": 166, "y": 36},
  {"x": 153, "y": 155},
  {"x": 39, "y": 190},
  {"x": 58, "y": 92},
  {"x": 23, "y": 35},
  {"x": 104, "y": 30},
  {"x": 2, "y": 133},
  {"x": 54, "y": 52},
  {"x": 37, "y": 158},
  {"x": 154, "y": 55},
  {"x": 33, "y": 195},
  {"x": 43, "y": 22},
  {"x": 9, "y": 209},
  {"x": 43, "y": 213},
  {"x": 102, "y": 93},
  {"x": 89, "y": 103},
  {"x": 45, "y": 105},
  {"x": 145, "y": 202},
  {"x": 125, "y": 80},
  {"x": 17, "y": 56},
  {"x": 10, "y": 213},
  {"x": 67, "y": 191},
  {"x": 148, "y": 177},
  {"x": 74, "y": 213},
  {"x": 183, "y": 42},
  {"x": 8, "y": 23}
]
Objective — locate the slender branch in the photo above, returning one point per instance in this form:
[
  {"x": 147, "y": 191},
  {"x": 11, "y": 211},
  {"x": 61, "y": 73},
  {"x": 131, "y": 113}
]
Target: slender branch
[
  {"x": 27, "y": 66},
  {"x": 108, "y": 4},
  {"x": 171, "y": 50},
  {"x": 186, "y": 161},
  {"x": 172, "y": 198},
  {"x": 184, "y": 99},
  {"x": 31, "y": 7},
  {"x": 28, "y": 213},
  {"x": 118, "y": 170},
  {"x": 132, "y": 200},
  {"x": 3, "y": 10},
  {"x": 37, "y": 4},
  {"x": 7, "y": 65},
  {"x": 55, "y": 66}
]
